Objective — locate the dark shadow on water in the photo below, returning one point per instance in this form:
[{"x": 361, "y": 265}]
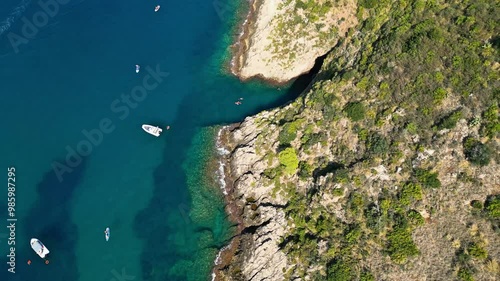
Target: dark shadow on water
[
  {"x": 292, "y": 91},
  {"x": 49, "y": 220},
  {"x": 298, "y": 86}
]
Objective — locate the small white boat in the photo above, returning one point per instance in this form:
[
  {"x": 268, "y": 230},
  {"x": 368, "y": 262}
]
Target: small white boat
[
  {"x": 137, "y": 68},
  {"x": 39, "y": 248},
  {"x": 157, "y": 8},
  {"x": 107, "y": 233},
  {"x": 153, "y": 130}
]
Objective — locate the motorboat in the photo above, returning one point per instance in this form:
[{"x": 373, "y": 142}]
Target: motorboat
[
  {"x": 107, "y": 233},
  {"x": 157, "y": 8},
  {"x": 137, "y": 68},
  {"x": 39, "y": 248},
  {"x": 152, "y": 130}
]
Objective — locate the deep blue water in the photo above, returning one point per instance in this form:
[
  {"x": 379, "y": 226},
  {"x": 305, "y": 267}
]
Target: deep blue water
[{"x": 167, "y": 222}]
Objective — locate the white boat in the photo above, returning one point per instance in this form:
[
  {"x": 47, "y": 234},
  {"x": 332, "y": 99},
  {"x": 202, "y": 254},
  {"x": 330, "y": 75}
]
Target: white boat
[
  {"x": 153, "y": 130},
  {"x": 107, "y": 233},
  {"x": 157, "y": 8},
  {"x": 39, "y": 248},
  {"x": 137, "y": 68}
]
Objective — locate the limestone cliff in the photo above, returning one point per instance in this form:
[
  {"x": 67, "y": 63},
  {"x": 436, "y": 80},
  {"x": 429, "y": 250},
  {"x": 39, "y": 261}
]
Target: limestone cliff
[{"x": 282, "y": 38}]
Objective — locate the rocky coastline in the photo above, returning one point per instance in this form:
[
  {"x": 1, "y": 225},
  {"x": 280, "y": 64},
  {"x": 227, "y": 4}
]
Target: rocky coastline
[{"x": 260, "y": 219}]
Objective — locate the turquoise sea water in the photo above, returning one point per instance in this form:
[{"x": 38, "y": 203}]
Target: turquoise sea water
[{"x": 165, "y": 213}]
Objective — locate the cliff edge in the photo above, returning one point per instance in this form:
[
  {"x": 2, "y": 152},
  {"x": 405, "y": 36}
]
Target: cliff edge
[{"x": 282, "y": 38}]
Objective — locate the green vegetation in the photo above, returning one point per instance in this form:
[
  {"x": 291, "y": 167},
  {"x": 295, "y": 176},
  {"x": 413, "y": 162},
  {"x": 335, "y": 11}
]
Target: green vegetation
[
  {"x": 465, "y": 274},
  {"x": 492, "y": 207},
  {"x": 491, "y": 124},
  {"x": 427, "y": 178},
  {"x": 476, "y": 204},
  {"x": 404, "y": 78},
  {"x": 289, "y": 132},
  {"x": 338, "y": 192},
  {"x": 377, "y": 144},
  {"x": 400, "y": 245},
  {"x": 450, "y": 120},
  {"x": 477, "y": 251},
  {"x": 339, "y": 270},
  {"x": 288, "y": 158},
  {"x": 476, "y": 152},
  {"x": 415, "y": 218},
  {"x": 366, "y": 276},
  {"x": 355, "y": 111}
]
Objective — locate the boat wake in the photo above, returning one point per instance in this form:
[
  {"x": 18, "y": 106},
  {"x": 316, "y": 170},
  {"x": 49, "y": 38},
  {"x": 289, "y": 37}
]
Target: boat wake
[{"x": 13, "y": 16}]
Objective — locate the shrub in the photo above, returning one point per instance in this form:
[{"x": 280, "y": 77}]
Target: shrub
[
  {"x": 356, "y": 202},
  {"x": 411, "y": 128},
  {"x": 288, "y": 158},
  {"x": 376, "y": 144},
  {"x": 305, "y": 170},
  {"x": 400, "y": 245},
  {"x": 339, "y": 270},
  {"x": 410, "y": 192},
  {"x": 476, "y": 152},
  {"x": 314, "y": 139},
  {"x": 289, "y": 132},
  {"x": 465, "y": 274},
  {"x": 427, "y": 179},
  {"x": 439, "y": 95},
  {"x": 366, "y": 276},
  {"x": 491, "y": 125},
  {"x": 363, "y": 83},
  {"x": 355, "y": 111},
  {"x": 353, "y": 234},
  {"x": 476, "y": 204},
  {"x": 341, "y": 175},
  {"x": 477, "y": 251},
  {"x": 415, "y": 218},
  {"x": 449, "y": 121},
  {"x": 338, "y": 192},
  {"x": 492, "y": 207},
  {"x": 272, "y": 173},
  {"x": 368, "y": 3}
]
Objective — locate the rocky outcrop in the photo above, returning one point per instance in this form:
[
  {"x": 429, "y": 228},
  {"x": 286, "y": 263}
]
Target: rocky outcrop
[
  {"x": 281, "y": 39},
  {"x": 261, "y": 216}
]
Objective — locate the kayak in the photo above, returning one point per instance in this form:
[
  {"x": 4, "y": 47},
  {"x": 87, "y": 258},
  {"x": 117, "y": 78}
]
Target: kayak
[{"x": 107, "y": 233}]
